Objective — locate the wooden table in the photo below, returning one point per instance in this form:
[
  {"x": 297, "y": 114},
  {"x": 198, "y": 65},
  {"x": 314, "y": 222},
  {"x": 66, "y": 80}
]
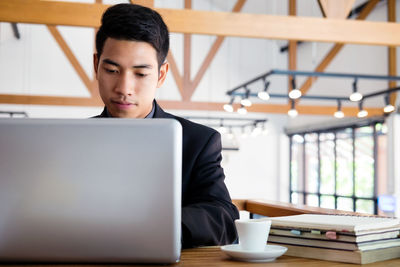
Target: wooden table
[{"x": 213, "y": 256}]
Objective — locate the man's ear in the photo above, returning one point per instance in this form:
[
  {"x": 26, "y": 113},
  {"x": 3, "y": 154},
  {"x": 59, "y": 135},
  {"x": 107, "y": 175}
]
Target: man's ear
[
  {"x": 163, "y": 74},
  {"x": 95, "y": 63}
]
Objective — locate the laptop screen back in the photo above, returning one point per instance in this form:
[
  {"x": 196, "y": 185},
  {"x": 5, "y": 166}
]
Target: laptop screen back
[{"x": 95, "y": 190}]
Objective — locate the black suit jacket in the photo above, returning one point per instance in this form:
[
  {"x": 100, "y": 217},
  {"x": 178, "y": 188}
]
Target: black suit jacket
[{"x": 207, "y": 211}]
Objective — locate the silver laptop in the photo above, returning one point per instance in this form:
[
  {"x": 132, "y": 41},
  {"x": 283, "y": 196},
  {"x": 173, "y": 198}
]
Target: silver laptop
[{"x": 90, "y": 190}]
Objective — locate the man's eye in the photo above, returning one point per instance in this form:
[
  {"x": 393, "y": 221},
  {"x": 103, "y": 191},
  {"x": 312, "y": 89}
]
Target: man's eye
[
  {"x": 110, "y": 70},
  {"x": 141, "y": 74}
]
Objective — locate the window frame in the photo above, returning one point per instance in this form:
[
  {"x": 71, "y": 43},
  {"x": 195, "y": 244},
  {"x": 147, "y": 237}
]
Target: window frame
[{"x": 302, "y": 190}]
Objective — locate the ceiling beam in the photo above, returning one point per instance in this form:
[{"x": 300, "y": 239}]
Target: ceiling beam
[
  {"x": 180, "y": 105},
  {"x": 59, "y": 9},
  {"x": 175, "y": 72},
  {"x": 335, "y": 50},
  {"x": 148, "y": 3},
  {"x": 213, "y": 23},
  {"x": 185, "y": 86},
  {"x": 269, "y": 108},
  {"x": 338, "y": 9},
  {"x": 211, "y": 54},
  {"x": 71, "y": 57},
  {"x": 187, "y": 59},
  {"x": 50, "y": 100},
  {"x": 95, "y": 86}
]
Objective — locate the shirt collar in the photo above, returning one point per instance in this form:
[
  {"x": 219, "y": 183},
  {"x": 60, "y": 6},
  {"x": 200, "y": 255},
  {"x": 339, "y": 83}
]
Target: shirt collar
[{"x": 151, "y": 114}]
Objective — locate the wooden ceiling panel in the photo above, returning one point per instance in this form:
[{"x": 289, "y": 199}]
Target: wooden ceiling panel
[{"x": 213, "y": 23}]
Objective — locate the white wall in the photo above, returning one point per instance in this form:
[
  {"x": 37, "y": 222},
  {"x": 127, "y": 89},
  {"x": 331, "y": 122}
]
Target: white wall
[
  {"x": 255, "y": 170},
  {"x": 36, "y": 65}
]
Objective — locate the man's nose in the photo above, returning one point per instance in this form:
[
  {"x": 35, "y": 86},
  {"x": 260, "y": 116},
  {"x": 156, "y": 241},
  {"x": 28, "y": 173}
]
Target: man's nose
[{"x": 125, "y": 84}]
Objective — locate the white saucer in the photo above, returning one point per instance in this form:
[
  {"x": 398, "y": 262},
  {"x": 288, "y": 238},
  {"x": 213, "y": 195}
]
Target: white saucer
[{"x": 270, "y": 253}]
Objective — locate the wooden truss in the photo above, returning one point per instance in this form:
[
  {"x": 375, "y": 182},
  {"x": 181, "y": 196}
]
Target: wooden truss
[{"x": 334, "y": 28}]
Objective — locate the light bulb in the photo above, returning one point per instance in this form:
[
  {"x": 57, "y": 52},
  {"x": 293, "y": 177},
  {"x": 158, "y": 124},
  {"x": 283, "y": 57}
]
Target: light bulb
[
  {"x": 242, "y": 110},
  {"x": 356, "y": 96},
  {"x": 245, "y": 102},
  {"x": 256, "y": 131},
  {"x": 263, "y": 95},
  {"x": 389, "y": 108},
  {"x": 228, "y": 108},
  {"x": 362, "y": 113},
  {"x": 338, "y": 114},
  {"x": 293, "y": 113},
  {"x": 222, "y": 129},
  {"x": 295, "y": 93},
  {"x": 298, "y": 138}
]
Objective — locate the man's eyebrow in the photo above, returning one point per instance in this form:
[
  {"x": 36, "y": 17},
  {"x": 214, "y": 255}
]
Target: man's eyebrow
[
  {"x": 109, "y": 61},
  {"x": 142, "y": 66}
]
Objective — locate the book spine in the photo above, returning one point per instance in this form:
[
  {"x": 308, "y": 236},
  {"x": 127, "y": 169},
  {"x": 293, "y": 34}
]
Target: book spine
[
  {"x": 324, "y": 254},
  {"x": 313, "y": 242}
]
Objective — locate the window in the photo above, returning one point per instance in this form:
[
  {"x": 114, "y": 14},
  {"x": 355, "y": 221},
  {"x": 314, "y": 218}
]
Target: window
[{"x": 338, "y": 168}]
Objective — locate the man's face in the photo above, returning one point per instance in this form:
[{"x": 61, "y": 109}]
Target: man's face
[{"x": 128, "y": 77}]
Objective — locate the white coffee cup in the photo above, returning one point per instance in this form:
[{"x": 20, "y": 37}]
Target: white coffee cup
[{"x": 253, "y": 233}]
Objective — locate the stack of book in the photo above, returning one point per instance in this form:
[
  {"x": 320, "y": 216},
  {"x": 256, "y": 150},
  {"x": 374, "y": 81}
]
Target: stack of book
[{"x": 344, "y": 238}]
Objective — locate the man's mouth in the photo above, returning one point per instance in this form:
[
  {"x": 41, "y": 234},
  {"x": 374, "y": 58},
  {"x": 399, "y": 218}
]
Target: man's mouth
[{"x": 123, "y": 104}]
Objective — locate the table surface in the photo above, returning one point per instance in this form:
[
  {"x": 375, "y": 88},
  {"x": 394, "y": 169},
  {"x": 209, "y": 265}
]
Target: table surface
[{"x": 213, "y": 256}]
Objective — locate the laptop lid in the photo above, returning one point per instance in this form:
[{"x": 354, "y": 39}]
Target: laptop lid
[{"x": 94, "y": 190}]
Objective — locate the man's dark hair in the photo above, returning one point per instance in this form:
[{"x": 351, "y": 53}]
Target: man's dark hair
[{"x": 134, "y": 23}]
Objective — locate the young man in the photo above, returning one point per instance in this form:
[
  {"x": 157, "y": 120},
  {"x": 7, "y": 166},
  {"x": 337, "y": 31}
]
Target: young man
[{"x": 132, "y": 44}]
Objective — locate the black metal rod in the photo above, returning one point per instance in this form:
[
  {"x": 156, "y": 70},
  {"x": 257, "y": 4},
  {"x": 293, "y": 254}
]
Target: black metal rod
[
  {"x": 262, "y": 76},
  {"x": 304, "y": 170},
  {"x": 334, "y": 75},
  {"x": 225, "y": 118},
  {"x": 385, "y": 91},
  {"x": 319, "y": 97},
  {"x": 304, "y": 96},
  {"x": 315, "y": 74},
  {"x": 244, "y": 122},
  {"x": 353, "y": 134},
  {"x": 335, "y": 166},
  {"x": 14, "y": 27},
  {"x": 375, "y": 167},
  {"x": 244, "y": 125},
  {"x": 243, "y": 86},
  {"x": 12, "y": 113},
  {"x": 290, "y": 168},
  {"x": 342, "y": 196},
  {"x": 319, "y": 169}
]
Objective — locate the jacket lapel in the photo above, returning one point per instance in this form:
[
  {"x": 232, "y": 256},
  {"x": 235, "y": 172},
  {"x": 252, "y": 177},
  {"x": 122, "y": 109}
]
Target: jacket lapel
[{"x": 159, "y": 112}]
